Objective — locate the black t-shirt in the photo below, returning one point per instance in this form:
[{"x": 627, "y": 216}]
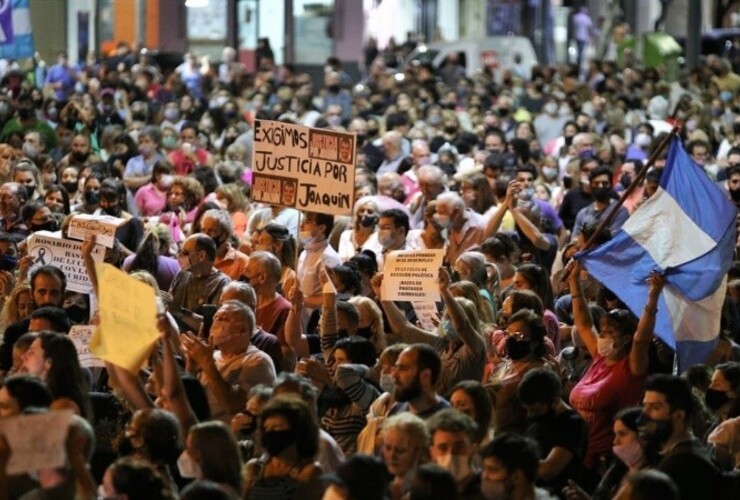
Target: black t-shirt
[
  {"x": 573, "y": 201},
  {"x": 691, "y": 468},
  {"x": 566, "y": 430}
]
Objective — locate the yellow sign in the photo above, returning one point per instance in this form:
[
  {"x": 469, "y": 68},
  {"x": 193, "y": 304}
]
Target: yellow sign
[{"x": 128, "y": 319}]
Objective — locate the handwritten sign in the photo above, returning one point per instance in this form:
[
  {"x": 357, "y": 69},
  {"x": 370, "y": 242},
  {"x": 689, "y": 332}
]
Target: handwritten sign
[
  {"x": 51, "y": 248},
  {"x": 102, "y": 226},
  {"x": 303, "y": 168},
  {"x": 412, "y": 276},
  {"x": 81, "y": 335},
  {"x": 128, "y": 315},
  {"x": 426, "y": 313},
  {"x": 36, "y": 441}
]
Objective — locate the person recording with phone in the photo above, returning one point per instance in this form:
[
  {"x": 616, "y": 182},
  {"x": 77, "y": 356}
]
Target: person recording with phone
[{"x": 189, "y": 156}]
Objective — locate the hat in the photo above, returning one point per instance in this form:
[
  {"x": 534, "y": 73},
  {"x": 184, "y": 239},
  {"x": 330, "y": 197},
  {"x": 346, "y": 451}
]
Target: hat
[
  {"x": 107, "y": 92},
  {"x": 466, "y": 167}
]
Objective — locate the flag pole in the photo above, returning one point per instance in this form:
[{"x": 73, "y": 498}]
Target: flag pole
[{"x": 606, "y": 221}]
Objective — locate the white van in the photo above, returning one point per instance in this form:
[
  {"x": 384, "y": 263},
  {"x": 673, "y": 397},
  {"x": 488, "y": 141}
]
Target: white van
[{"x": 495, "y": 52}]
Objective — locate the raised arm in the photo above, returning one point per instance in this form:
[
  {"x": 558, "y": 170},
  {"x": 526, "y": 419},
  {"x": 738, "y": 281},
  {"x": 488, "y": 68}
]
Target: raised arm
[
  {"x": 399, "y": 323},
  {"x": 583, "y": 321},
  {"x": 294, "y": 326},
  {"x": 644, "y": 334},
  {"x": 465, "y": 329},
  {"x": 531, "y": 231},
  {"x": 494, "y": 224},
  {"x": 87, "y": 248},
  {"x": 172, "y": 387}
]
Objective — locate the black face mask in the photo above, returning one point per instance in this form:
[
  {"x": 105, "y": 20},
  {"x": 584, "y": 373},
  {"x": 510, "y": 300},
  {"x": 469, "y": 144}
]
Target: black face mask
[
  {"x": 715, "y": 399},
  {"x": 275, "y": 442},
  {"x": 46, "y": 226},
  {"x": 71, "y": 187},
  {"x": 517, "y": 349},
  {"x": 450, "y": 130},
  {"x": 601, "y": 195},
  {"x": 625, "y": 180},
  {"x": 80, "y": 155},
  {"x": 654, "y": 432},
  {"x": 735, "y": 194},
  {"x": 8, "y": 262},
  {"x": 736, "y": 128},
  {"x": 361, "y": 138},
  {"x": 113, "y": 211},
  {"x": 25, "y": 113},
  {"x": 365, "y": 332},
  {"x": 372, "y": 132},
  {"x": 369, "y": 220},
  {"x": 333, "y": 88},
  {"x": 92, "y": 197},
  {"x": 78, "y": 315}
]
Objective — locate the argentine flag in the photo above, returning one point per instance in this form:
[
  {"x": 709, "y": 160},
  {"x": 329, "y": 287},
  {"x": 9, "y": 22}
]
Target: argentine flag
[
  {"x": 16, "y": 37},
  {"x": 686, "y": 232}
]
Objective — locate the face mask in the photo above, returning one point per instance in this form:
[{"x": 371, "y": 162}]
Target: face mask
[
  {"x": 71, "y": 187},
  {"x": 450, "y": 331},
  {"x": 643, "y": 140},
  {"x": 365, "y": 332},
  {"x": 113, "y": 211},
  {"x": 735, "y": 194},
  {"x": 30, "y": 151},
  {"x": 46, "y": 226},
  {"x": 165, "y": 181},
  {"x": 52, "y": 114},
  {"x": 8, "y": 262},
  {"x": 188, "y": 467},
  {"x": 605, "y": 346},
  {"x": 361, "y": 138},
  {"x": 526, "y": 194},
  {"x": 442, "y": 220},
  {"x": 716, "y": 399},
  {"x": 77, "y": 314},
  {"x": 549, "y": 173},
  {"x": 655, "y": 432},
  {"x": 625, "y": 180},
  {"x": 334, "y": 120},
  {"x": 457, "y": 465},
  {"x": 602, "y": 194},
  {"x": 80, "y": 156},
  {"x": 146, "y": 150},
  {"x": 306, "y": 237},
  {"x": 169, "y": 142},
  {"x": 171, "y": 115},
  {"x": 630, "y": 453},
  {"x": 92, "y": 197},
  {"x": 387, "y": 383},
  {"x": 450, "y": 130},
  {"x": 369, "y": 220},
  {"x": 385, "y": 238},
  {"x": 492, "y": 490},
  {"x": 551, "y": 108},
  {"x": 517, "y": 349},
  {"x": 274, "y": 442},
  {"x": 25, "y": 113}
]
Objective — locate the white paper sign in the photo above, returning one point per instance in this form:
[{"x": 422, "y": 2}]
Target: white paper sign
[
  {"x": 36, "y": 441},
  {"x": 304, "y": 168},
  {"x": 80, "y": 335},
  {"x": 49, "y": 248},
  {"x": 411, "y": 275},
  {"x": 426, "y": 313},
  {"x": 102, "y": 226}
]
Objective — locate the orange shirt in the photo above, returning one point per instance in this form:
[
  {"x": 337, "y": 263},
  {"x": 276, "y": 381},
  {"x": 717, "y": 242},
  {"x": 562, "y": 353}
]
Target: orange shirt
[{"x": 233, "y": 263}]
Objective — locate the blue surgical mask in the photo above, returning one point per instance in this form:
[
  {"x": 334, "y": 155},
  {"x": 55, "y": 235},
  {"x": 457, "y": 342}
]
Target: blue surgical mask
[{"x": 450, "y": 332}]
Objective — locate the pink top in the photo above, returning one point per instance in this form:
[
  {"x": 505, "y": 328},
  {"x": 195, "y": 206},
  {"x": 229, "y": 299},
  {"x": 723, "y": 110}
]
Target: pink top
[
  {"x": 184, "y": 165},
  {"x": 150, "y": 200},
  {"x": 598, "y": 396}
]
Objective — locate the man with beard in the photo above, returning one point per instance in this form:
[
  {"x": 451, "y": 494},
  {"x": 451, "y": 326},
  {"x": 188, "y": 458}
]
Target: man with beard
[
  {"x": 417, "y": 371},
  {"x": 79, "y": 155},
  {"x": 733, "y": 183},
  {"x": 665, "y": 426},
  {"x": 47, "y": 289},
  {"x": 12, "y": 197},
  {"x": 601, "y": 191}
]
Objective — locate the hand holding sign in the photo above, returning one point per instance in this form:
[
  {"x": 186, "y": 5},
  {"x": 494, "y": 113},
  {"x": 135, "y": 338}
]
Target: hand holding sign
[{"x": 444, "y": 279}]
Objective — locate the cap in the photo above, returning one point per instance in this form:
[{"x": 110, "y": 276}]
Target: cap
[{"x": 107, "y": 92}]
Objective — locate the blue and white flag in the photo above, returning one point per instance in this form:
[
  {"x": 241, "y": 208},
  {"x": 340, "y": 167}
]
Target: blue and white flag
[
  {"x": 686, "y": 232},
  {"x": 16, "y": 37}
]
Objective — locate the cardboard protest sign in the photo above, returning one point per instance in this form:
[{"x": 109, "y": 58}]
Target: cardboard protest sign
[
  {"x": 102, "y": 226},
  {"x": 411, "y": 276},
  {"x": 36, "y": 441},
  {"x": 426, "y": 313},
  {"x": 51, "y": 248},
  {"x": 128, "y": 319},
  {"x": 303, "y": 168},
  {"x": 81, "y": 335}
]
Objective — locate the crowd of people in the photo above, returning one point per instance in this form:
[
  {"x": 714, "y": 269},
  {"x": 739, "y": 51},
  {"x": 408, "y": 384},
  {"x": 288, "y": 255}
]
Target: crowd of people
[{"x": 281, "y": 372}]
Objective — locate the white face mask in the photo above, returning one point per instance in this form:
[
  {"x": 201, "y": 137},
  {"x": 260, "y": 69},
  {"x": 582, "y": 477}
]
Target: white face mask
[
  {"x": 605, "y": 346},
  {"x": 457, "y": 465},
  {"x": 549, "y": 173},
  {"x": 551, "y": 108},
  {"x": 387, "y": 383},
  {"x": 188, "y": 467},
  {"x": 306, "y": 237},
  {"x": 385, "y": 238},
  {"x": 442, "y": 220}
]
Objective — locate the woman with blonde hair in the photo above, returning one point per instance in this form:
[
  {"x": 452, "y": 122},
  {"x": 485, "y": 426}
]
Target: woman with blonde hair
[
  {"x": 362, "y": 233},
  {"x": 406, "y": 442},
  {"x": 232, "y": 198},
  {"x": 8, "y": 155},
  {"x": 370, "y": 325},
  {"x": 468, "y": 290},
  {"x": 18, "y": 304}
]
